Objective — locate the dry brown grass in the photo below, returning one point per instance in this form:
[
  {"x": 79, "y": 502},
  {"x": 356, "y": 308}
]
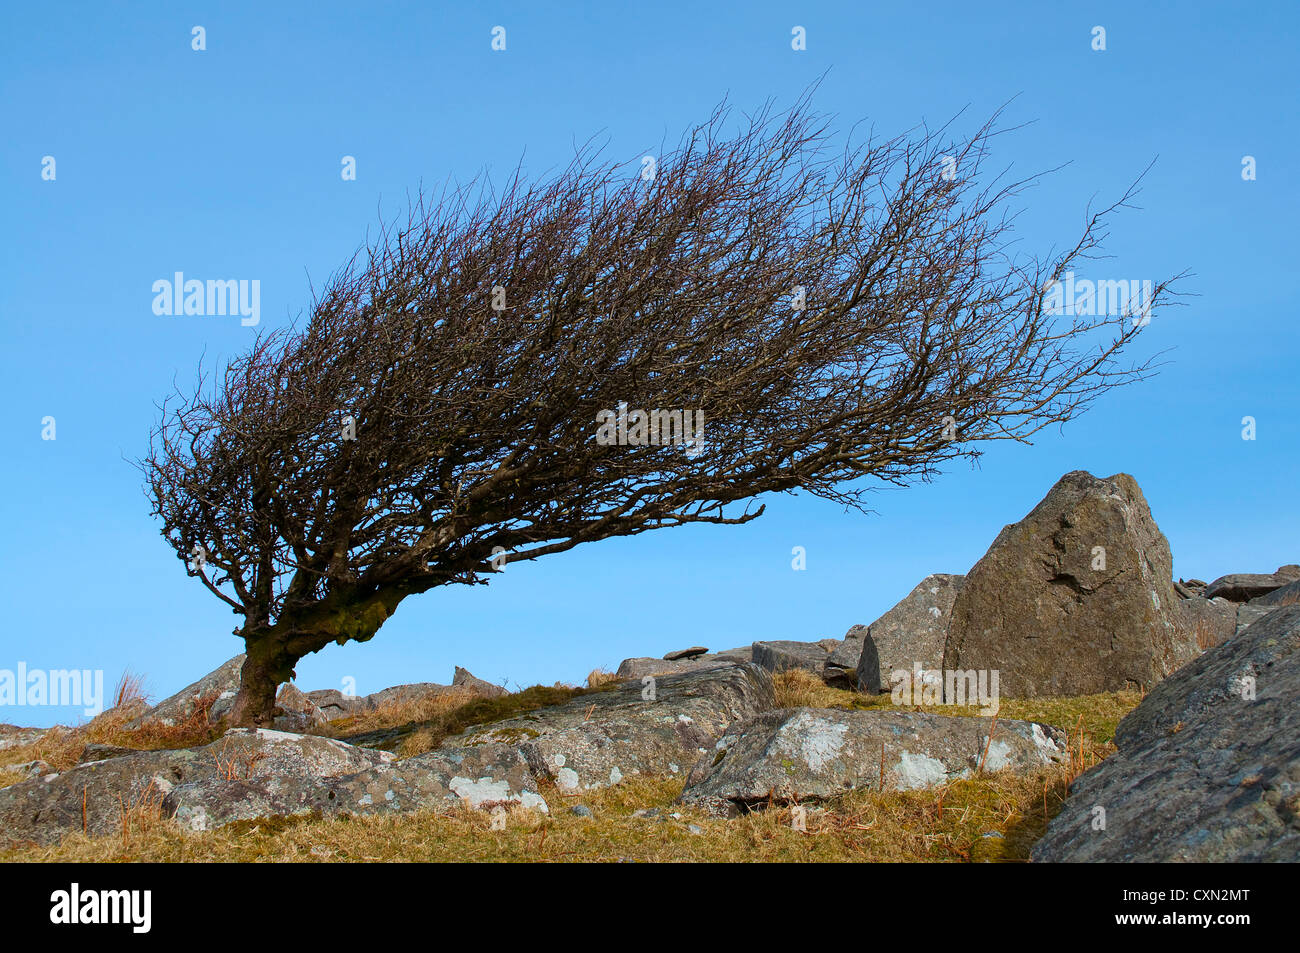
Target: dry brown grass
[
  {"x": 599, "y": 678},
  {"x": 797, "y": 688},
  {"x": 62, "y": 748},
  {"x": 402, "y": 711}
]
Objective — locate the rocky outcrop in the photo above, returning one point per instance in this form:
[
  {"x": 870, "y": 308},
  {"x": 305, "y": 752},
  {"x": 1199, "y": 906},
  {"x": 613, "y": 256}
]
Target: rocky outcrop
[
  {"x": 796, "y": 754},
  {"x": 92, "y": 797},
  {"x": 912, "y": 632},
  {"x": 1245, "y": 586},
  {"x": 463, "y": 679},
  {"x": 1074, "y": 599},
  {"x": 598, "y": 739},
  {"x": 1208, "y": 767}
]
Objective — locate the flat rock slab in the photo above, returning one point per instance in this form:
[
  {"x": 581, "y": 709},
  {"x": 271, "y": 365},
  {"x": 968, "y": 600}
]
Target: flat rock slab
[
  {"x": 1287, "y": 595},
  {"x": 912, "y": 632},
  {"x": 1208, "y": 767},
  {"x": 692, "y": 652},
  {"x": 641, "y": 667},
  {"x": 486, "y": 777},
  {"x": 661, "y": 728},
  {"x": 1244, "y": 586},
  {"x": 795, "y": 754},
  {"x": 91, "y": 797}
]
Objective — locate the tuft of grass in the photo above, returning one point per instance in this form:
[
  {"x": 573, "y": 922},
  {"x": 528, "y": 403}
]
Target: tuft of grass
[{"x": 599, "y": 678}]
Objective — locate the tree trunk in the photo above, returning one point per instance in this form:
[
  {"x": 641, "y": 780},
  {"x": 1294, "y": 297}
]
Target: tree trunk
[{"x": 268, "y": 663}]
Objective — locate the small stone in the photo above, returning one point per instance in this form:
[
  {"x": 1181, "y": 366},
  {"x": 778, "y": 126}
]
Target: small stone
[
  {"x": 692, "y": 652},
  {"x": 581, "y": 810}
]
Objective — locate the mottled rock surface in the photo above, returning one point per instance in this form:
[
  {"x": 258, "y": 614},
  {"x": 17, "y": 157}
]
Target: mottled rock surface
[
  {"x": 1208, "y": 767},
  {"x": 911, "y": 632},
  {"x": 44, "y": 810},
  {"x": 486, "y": 777},
  {"x": 1210, "y": 622},
  {"x": 1074, "y": 599},
  {"x": 597, "y": 740},
  {"x": 794, "y": 754}
]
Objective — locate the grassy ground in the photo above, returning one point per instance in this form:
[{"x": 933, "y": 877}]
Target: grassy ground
[{"x": 994, "y": 817}]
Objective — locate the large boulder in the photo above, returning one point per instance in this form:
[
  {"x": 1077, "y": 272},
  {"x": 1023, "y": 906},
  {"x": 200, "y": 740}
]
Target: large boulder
[
  {"x": 486, "y": 777},
  {"x": 1074, "y": 599},
  {"x": 92, "y": 797},
  {"x": 1208, "y": 767},
  {"x": 1245, "y": 586},
  {"x": 911, "y": 633},
  {"x": 660, "y": 728},
  {"x": 797, "y": 754},
  {"x": 219, "y": 687},
  {"x": 782, "y": 656}
]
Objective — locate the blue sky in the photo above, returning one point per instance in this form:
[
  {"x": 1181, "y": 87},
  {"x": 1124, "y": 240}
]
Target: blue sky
[{"x": 226, "y": 163}]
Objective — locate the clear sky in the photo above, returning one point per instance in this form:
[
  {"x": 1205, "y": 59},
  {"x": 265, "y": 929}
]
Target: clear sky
[{"x": 225, "y": 163}]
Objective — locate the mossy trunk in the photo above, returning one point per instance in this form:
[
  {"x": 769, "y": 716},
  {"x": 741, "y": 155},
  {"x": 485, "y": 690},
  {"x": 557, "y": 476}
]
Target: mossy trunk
[
  {"x": 272, "y": 654},
  {"x": 267, "y": 663}
]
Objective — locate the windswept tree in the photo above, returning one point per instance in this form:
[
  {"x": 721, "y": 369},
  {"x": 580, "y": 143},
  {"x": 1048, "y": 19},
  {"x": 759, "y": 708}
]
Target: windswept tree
[{"x": 510, "y": 372}]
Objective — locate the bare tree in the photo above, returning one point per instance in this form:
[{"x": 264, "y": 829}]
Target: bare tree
[{"x": 499, "y": 378}]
